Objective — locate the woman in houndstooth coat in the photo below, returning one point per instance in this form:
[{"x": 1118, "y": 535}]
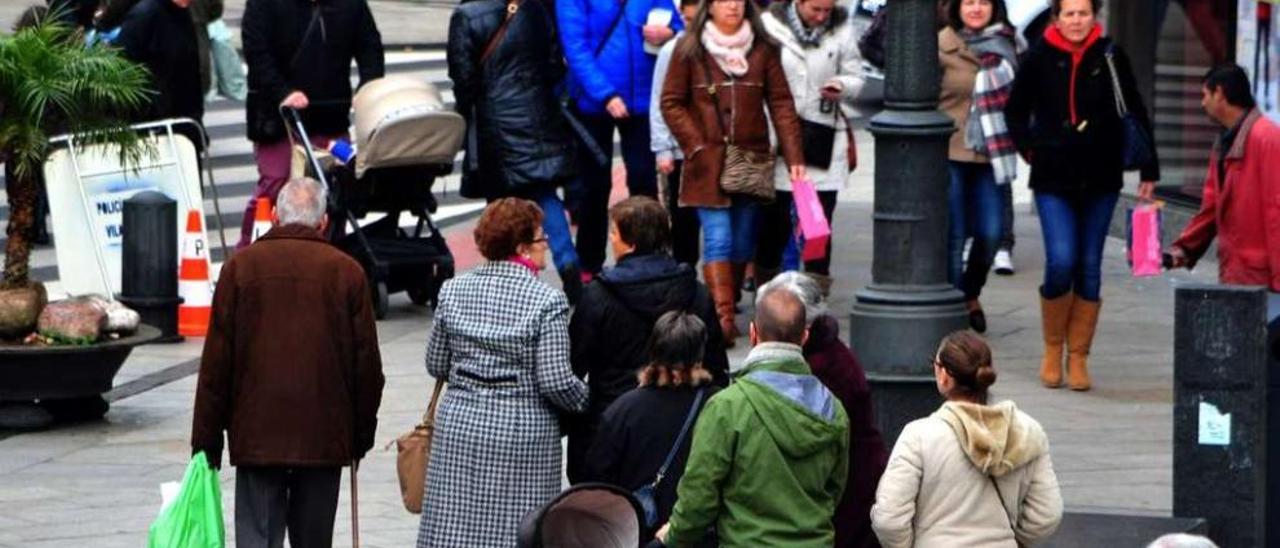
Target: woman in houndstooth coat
[{"x": 500, "y": 339}]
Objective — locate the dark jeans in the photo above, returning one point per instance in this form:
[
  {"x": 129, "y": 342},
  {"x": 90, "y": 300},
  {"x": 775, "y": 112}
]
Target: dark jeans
[
  {"x": 684, "y": 222},
  {"x": 778, "y": 248},
  {"x": 976, "y": 211},
  {"x": 596, "y": 181},
  {"x": 1075, "y": 231},
  {"x": 1006, "y": 228},
  {"x": 271, "y": 499}
]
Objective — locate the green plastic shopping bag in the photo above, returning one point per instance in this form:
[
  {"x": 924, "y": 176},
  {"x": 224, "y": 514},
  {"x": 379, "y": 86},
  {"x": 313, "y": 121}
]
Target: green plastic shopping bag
[{"x": 193, "y": 519}]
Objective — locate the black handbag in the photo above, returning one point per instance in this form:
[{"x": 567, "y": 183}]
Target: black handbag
[
  {"x": 818, "y": 141},
  {"x": 1137, "y": 150},
  {"x": 647, "y": 494}
]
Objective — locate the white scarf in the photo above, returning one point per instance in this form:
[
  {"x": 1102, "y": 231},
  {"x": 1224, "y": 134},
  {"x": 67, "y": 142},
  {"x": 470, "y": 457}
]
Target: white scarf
[{"x": 730, "y": 52}]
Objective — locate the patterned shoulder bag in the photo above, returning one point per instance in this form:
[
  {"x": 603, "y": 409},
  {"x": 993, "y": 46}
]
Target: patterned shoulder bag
[{"x": 745, "y": 172}]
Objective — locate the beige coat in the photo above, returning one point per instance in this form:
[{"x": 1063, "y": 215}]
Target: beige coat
[
  {"x": 959, "y": 72},
  {"x": 938, "y": 492}
]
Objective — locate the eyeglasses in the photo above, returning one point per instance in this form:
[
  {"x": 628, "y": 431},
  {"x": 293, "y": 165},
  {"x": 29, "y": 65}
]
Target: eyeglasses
[{"x": 541, "y": 240}]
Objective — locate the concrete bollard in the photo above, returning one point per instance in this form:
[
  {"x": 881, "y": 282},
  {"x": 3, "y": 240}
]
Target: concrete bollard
[
  {"x": 149, "y": 265},
  {"x": 1225, "y": 460}
]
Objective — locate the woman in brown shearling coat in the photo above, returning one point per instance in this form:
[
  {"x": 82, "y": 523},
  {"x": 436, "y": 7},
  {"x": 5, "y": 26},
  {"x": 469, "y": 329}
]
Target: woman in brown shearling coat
[{"x": 724, "y": 74}]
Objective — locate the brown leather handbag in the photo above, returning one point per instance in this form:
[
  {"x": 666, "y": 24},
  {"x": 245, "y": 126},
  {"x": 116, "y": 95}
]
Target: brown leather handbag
[
  {"x": 745, "y": 172},
  {"x": 413, "y": 452}
]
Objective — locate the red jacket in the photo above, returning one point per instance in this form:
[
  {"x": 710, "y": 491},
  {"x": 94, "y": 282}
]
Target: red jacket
[{"x": 1244, "y": 210}]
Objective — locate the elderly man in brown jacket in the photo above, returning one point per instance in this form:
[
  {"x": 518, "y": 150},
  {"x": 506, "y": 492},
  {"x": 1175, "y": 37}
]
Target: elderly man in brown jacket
[{"x": 291, "y": 371}]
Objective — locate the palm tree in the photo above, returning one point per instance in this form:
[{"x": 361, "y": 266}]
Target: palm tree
[{"x": 50, "y": 83}]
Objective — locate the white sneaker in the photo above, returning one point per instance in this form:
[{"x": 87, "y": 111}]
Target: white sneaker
[{"x": 1004, "y": 263}]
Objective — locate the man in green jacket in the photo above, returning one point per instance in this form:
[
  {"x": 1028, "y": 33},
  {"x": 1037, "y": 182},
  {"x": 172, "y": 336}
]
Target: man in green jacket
[{"x": 770, "y": 453}]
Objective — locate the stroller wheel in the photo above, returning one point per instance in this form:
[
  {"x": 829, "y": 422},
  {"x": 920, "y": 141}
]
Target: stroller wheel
[
  {"x": 380, "y": 299},
  {"x": 420, "y": 296}
]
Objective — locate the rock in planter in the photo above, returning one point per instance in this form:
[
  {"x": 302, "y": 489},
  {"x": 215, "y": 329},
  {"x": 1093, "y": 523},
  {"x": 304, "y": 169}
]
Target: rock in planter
[
  {"x": 75, "y": 321},
  {"x": 121, "y": 320},
  {"x": 19, "y": 310}
]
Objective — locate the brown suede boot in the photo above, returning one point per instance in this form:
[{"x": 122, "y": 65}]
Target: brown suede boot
[
  {"x": 719, "y": 278},
  {"x": 1080, "y": 329},
  {"x": 1054, "y": 314}
]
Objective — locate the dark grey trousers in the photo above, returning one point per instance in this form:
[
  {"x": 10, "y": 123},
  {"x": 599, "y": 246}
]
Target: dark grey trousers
[{"x": 271, "y": 499}]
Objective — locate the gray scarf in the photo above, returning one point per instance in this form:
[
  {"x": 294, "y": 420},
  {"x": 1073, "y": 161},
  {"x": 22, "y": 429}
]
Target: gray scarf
[{"x": 808, "y": 37}]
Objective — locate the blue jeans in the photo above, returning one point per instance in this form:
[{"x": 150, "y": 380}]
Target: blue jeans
[
  {"x": 556, "y": 227},
  {"x": 729, "y": 234},
  {"x": 1075, "y": 230},
  {"x": 977, "y": 210}
]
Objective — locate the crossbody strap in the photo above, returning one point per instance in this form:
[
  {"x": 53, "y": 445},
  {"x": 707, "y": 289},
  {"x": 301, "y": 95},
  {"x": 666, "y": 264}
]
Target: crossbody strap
[
  {"x": 512, "y": 7},
  {"x": 1003, "y": 508},
  {"x": 1122, "y": 108},
  {"x": 688, "y": 421},
  {"x": 613, "y": 25},
  {"x": 712, "y": 88}
]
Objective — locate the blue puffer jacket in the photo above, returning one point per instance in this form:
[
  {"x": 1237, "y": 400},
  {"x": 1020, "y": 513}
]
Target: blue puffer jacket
[{"x": 622, "y": 69}]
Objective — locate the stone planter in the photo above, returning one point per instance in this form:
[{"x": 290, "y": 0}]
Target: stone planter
[{"x": 41, "y": 384}]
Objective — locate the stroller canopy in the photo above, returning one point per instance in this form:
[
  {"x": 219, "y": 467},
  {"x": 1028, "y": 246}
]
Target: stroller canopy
[
  {"x": 403, "y": 122},
  {"x": 587, "y": 515}
]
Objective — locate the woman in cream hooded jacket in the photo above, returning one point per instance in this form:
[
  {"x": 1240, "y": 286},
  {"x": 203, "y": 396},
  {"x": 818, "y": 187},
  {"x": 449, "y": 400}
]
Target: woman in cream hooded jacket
[{"x": 940, "y": 487}]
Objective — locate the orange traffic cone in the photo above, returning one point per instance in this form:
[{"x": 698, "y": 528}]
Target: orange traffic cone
[
  {"x": 193, "y": 280},
  {"x": 261, "y": 219}
]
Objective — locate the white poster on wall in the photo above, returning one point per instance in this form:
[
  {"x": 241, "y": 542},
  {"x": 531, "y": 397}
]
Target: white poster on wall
[
  {"x": 1258, "y": 51},
  {"x": 87, "y": 191}
]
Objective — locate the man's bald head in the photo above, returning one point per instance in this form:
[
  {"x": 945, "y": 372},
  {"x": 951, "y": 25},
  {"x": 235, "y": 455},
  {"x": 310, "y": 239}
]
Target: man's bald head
[{"x": 780, "y": 317}]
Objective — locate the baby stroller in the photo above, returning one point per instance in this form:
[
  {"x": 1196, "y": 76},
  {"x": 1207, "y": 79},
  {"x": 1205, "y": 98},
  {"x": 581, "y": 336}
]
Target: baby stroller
[
  {"x": 587, "y": 515},
  {"x": 405, "y": 139}
]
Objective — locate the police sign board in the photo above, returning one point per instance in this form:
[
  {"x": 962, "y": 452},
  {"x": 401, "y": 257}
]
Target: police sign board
[{"x": 87, "y": 187}]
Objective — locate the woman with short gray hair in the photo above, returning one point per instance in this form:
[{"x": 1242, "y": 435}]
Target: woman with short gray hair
[{"x": 837, "y": 367}]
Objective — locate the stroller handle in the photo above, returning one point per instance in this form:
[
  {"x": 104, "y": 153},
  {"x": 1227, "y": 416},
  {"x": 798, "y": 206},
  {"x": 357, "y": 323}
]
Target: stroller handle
[{"x": 301, "y": 131}]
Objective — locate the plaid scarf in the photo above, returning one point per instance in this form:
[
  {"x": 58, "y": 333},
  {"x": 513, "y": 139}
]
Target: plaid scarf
[{"x": 987, "y": 131}]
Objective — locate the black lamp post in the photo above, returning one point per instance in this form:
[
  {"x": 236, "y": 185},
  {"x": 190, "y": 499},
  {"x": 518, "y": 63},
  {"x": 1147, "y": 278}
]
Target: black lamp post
[{"x": 898, "y": 320}]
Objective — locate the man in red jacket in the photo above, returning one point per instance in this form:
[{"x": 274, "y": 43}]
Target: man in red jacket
[
  {"x": 291, "y": 371},
  {"x": 1241, "y": 202}
]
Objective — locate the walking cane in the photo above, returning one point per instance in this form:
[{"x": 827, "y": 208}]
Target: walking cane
[{"x": 355, "y": 505}]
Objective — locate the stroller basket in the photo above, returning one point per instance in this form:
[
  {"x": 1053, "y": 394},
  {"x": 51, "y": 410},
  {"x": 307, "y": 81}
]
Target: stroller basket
[{"x": 403, "y": 122}]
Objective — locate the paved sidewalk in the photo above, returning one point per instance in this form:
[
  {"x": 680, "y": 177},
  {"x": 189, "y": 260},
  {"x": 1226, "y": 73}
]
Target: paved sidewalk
[{"x": 97, "y": 484}]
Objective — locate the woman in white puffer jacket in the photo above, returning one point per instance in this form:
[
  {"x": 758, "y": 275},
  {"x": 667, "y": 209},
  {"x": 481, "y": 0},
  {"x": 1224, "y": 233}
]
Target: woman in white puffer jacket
[{"x": 823, "y": 67}]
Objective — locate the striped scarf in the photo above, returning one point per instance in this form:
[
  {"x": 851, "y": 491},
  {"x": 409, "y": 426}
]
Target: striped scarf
[{"x": 987, "y": 131}]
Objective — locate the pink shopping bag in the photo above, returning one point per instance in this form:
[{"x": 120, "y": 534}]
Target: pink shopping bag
[
  {"x": 1144, "y": 240},
  {"x": 813, "y": 221}
]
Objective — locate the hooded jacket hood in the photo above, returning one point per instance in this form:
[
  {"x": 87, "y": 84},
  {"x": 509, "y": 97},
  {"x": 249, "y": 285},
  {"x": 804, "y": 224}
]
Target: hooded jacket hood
[
  {"x": 650, "y": 285},
  {"x": 800, "y": 414},
  {"x": 998, "y": 439}
]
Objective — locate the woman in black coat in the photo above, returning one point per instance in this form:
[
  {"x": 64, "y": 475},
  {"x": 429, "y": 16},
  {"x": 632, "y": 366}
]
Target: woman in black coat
[
  {"x": 1063, "y": 116},
  {"x": 610, "y": 328},
  {"x": 643, "y": 427},
  {"x": 505, "y": 62}
]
